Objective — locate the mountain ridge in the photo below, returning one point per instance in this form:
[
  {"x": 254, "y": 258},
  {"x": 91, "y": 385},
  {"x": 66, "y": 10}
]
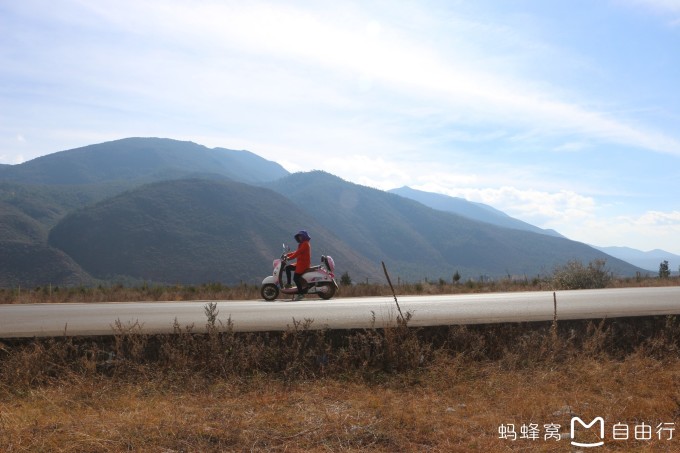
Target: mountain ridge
[
  {"x": 138, "y": 220},
  {"x": 141, "y": 160},
  {"x": 470, "y": 209},
  {"x": 648, "y": 260}
]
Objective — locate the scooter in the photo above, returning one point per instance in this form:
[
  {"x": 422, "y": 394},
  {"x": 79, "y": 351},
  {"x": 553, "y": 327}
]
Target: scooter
[{"x": 318, "y": 280}]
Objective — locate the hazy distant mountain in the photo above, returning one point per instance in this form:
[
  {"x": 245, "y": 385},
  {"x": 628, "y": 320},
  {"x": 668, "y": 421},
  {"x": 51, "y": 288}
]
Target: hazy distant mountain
[
  {"x": 646, "y": 260},
  {"x": 142, "y": 160},
  {"x": 418, "y": 241},
  {"x": 469, "y": 209},
  {"x": 193, "y": 231}
]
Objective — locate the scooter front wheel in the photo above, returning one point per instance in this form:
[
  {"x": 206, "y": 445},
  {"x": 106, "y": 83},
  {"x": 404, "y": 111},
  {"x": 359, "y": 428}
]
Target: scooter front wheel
[{"x": 269, "y": 291}]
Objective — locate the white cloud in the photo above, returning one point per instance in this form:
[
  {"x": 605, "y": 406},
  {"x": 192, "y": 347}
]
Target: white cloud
[
  {"x": 12, "y": 159},
  {"x": 571, "y": 147},
  {"x": 648, "y": 231},
  {"x": 669, "y": 9},
  {"x": 342, "y": 43},
  {"x": 545, "y": 209},
  {"x": 662, "y": 6},
  {"x": 382, "y": 172},
  {"x": 657, "y": 218}
]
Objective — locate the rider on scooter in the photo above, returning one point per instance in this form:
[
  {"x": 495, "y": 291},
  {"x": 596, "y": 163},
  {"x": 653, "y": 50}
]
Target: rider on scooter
[{"x": 303, "y": 255}]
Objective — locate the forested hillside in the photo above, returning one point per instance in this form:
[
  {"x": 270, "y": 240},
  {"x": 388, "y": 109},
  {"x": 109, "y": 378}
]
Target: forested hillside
[{"x": 192, "y": 231}]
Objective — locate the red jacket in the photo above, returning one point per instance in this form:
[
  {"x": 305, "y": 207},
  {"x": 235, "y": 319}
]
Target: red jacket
[{"x": 303, "y": 255}]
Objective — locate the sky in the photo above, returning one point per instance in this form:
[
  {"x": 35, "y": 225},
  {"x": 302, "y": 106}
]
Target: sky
[{"x": 561, "y": 113}]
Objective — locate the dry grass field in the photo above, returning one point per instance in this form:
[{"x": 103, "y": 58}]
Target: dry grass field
[
  {"x": 448, "y": 407},
  {"x": 453, "y": 389}
]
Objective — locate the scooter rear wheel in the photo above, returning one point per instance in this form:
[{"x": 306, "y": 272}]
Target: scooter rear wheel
[
  {"x": 326, "y": 291},
  {"x": 269, "y": 291}
]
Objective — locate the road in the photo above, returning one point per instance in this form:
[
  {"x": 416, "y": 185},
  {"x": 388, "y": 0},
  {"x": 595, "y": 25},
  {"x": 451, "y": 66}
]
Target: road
[{"x": 156, "y": 317}]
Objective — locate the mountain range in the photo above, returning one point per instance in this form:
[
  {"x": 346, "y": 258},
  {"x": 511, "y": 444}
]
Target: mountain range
[
  {"x": 134, "y": 161},
  {"x": 166, "y": 211},
  {"x": 476, "y": 211},
  {"x": 649, "y": 260}
]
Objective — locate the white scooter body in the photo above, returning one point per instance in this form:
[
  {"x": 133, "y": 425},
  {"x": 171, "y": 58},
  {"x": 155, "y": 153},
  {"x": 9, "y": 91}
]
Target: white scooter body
[{"x": 317, "y": 280}]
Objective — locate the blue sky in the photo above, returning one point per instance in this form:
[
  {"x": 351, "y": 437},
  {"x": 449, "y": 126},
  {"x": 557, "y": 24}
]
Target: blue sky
[{"x": 565, "y": 114}]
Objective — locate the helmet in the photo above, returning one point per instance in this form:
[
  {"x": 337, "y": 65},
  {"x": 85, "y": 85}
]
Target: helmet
[{"x": 302, "y": 236}]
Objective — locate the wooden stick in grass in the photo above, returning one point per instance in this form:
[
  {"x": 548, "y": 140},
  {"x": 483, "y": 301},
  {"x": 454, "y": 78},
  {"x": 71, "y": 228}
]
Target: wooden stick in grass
[{"x": 401, "y": 315}]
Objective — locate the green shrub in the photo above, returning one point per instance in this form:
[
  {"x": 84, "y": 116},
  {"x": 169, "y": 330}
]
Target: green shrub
[
  {"x": 345, "y": 279},
  {"x": 574, "y": 275}
]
